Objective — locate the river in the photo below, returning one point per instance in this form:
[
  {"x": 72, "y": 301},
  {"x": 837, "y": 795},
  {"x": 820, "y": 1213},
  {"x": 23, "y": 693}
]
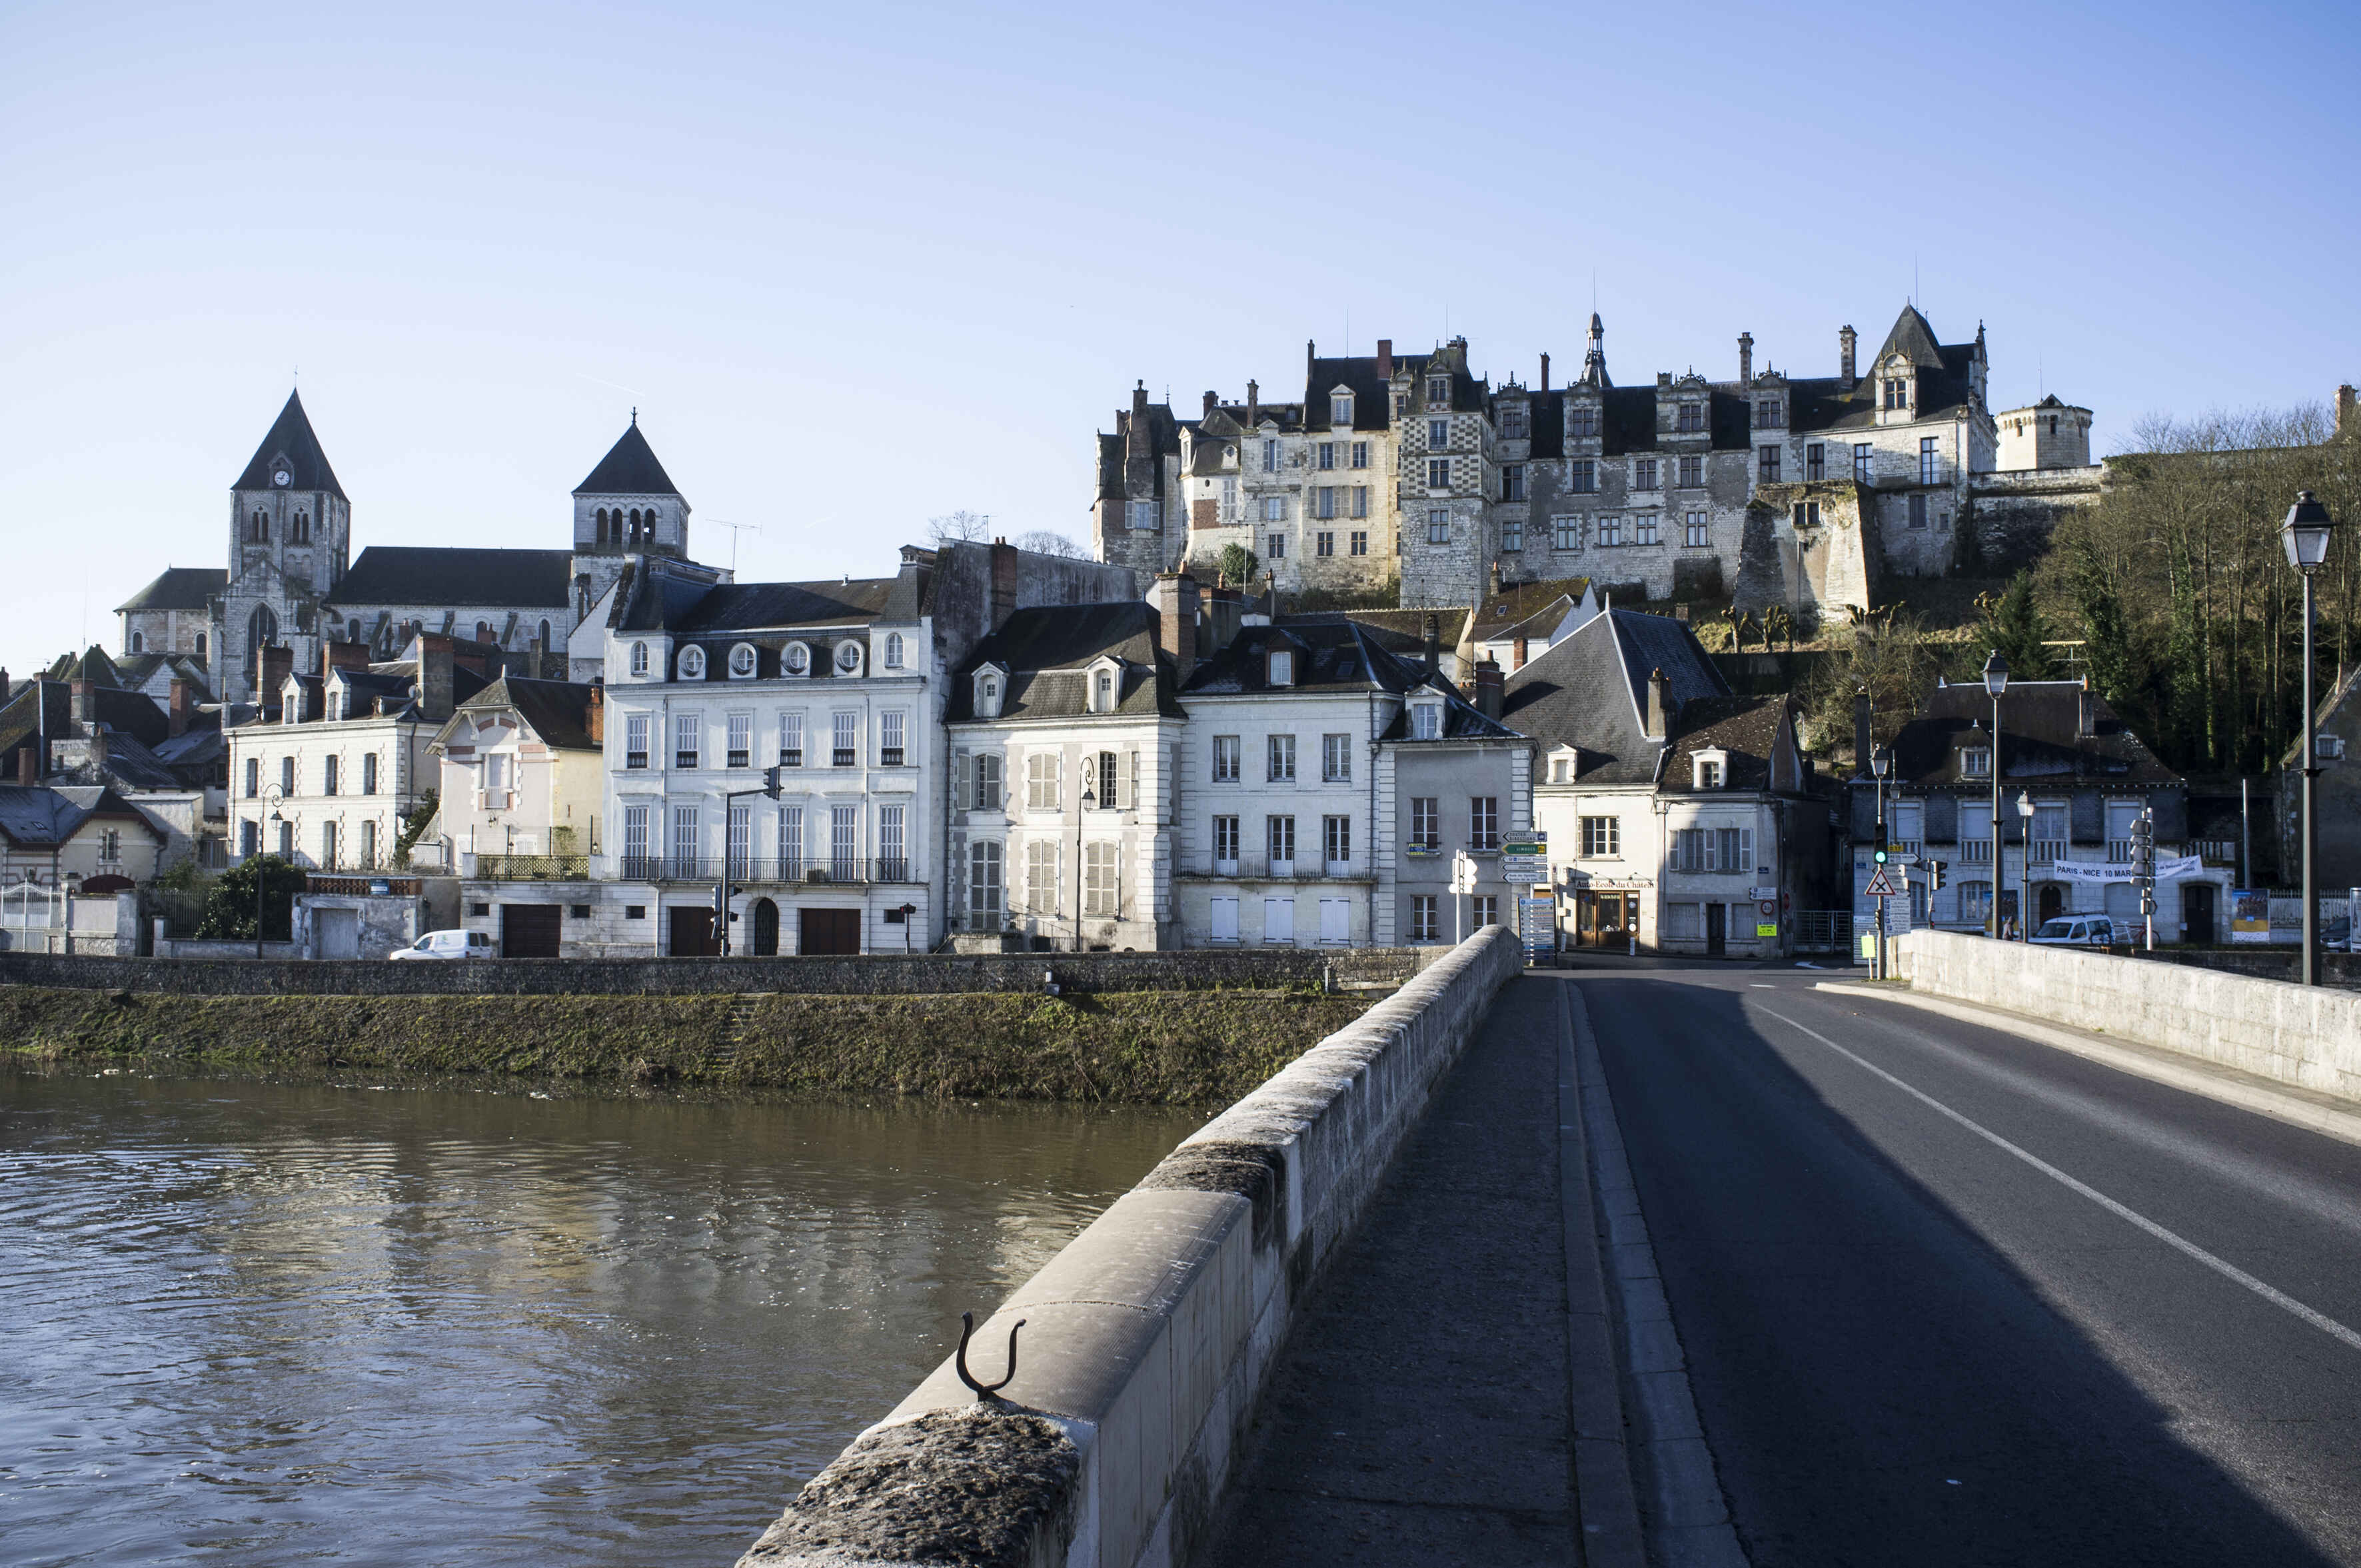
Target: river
[{"x": 265, "y": 1323}]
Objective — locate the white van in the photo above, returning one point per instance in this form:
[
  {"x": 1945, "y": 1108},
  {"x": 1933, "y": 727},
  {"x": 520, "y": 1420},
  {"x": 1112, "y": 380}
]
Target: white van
[
  {"x": 2077, "y": 931},
  {"x": 448, "y": 945}
]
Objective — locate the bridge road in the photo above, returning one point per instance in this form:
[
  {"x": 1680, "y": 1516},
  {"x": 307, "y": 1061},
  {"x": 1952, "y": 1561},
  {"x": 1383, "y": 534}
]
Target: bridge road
[{"x": 1909, "y": 1343}]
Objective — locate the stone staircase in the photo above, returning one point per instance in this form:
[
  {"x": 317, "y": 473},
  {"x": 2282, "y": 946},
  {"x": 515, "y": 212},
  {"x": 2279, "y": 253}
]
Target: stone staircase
[{"x": 742, "y": 1017}]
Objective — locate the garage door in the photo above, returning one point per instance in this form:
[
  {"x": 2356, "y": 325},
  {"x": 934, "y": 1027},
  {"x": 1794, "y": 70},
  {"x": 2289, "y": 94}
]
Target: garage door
[
  {"x": 824, "y": 932},
  {"x": 530, "y": 930},
  {"x": 691, "y": 933}
]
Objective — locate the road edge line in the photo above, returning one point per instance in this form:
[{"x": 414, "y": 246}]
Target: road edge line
[{"x": 2196, "y": 1076}]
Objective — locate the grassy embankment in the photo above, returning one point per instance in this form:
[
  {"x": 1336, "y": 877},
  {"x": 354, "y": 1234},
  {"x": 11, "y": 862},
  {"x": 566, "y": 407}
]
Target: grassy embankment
[{"x": 1139, "y": 1047}]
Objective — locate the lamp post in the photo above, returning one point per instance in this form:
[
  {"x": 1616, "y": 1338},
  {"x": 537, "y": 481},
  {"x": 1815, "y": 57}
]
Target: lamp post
[
  {"x": 1089, "y": 799},
  {"x": 1995, "y": 681},
  {"x": 1881, "y": 762},
  {"x": 2305, "y": 533},
  {"x": 2025, "y": 867},
  {"x": 271, "y": 796}
]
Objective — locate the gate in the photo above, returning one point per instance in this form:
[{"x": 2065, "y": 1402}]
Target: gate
[{"x": 530, "y": 930}]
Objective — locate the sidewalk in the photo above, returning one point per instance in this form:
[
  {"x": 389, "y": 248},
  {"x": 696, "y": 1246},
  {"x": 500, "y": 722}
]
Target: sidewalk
[{"x": 1419, "y": 1412}]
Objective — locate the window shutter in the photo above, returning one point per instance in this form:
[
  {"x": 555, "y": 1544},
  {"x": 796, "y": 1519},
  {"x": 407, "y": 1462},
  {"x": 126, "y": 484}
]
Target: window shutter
[
  {"x": 1131, "y": 782},
  {"x": 966, "y": 796},
  {"x": 1746, "y": 849}
]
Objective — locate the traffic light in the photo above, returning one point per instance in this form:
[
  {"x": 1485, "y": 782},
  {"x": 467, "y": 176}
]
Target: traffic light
[
  {"x": 774, "y": 779},
  {"x": 1935, "y": 869},
  {"x": 1878, "y": 854}
]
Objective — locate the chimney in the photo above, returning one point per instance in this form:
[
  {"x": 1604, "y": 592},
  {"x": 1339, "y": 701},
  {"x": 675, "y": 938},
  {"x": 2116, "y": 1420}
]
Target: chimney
[
  {"x": 1660, "y": 705},
  {"x": 1544, "y": 372},
  {"x": 1310, "y": 358},
  {"x": 85, "y": 712},
  {"x": 334, "y": 656},
  {"x": 1433, "y": 642},
  {"x": 1847, "y": 341},
  {"x": 1746, "y": 359},
  {"x": 1212, "y": 403},
  {"x": 277, "y": 664},
  {"x": 1138, "y": 430},
  {"x": 434, "y": 666},
  {"x": 593, "y": 717},
  {"x": 176, "y": 707},
  {"x": 1254, "y": 405},
  {"x": 1496, "y": 579},
  {"x": 1488, "y": 685},
  {"x": 1004, "y": 583},
  {"x": 28, "y": 763},
  {"x": 2086, "y": 711},
  {"x": 1175, "y": 621},
  {"x": 2344, "y": 413},
  {"x": 1385, "y": 359},
  {"x": 1860, "y": 737}
]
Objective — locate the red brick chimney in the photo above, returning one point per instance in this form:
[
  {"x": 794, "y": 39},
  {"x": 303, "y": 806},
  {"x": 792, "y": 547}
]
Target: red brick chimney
[
  {"x": 277, "y": 664},
  {"x": 1385, "y": 359},
  {"x": 1175, "y": 621},
  {"x": 1489, "y": 685},
  {"x": 334, "y": 656},
  {"x": 176, "y": 708},
  {"x": 594, "y": 717},
  {"x": 1004, "y": 583}
]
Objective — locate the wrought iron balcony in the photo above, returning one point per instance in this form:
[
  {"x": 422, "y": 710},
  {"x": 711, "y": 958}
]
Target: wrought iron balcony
[
  {"x": 532, "y": 868},
  {"x": 758, "y": 870}
]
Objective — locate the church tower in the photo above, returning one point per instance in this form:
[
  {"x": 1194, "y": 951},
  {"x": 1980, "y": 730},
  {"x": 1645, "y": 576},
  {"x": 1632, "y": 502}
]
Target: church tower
[
  {"x": 290, "y": 542},
  {"x": 628, "y": 507}
]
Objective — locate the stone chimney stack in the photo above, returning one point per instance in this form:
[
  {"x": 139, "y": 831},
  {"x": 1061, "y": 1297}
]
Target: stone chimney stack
[
  {"x": 85, "y": 707},
  {"x": 1660, "y": 705},
  {"x": 1746, "y": 359},
  {"x": 1310, "y": 358},
  {"x": 1496, "y": 577},
  {"x": 593, "y": 717},
  {"x": 176, "y": 707},
  {"x": 28, "y": 763},
  {"x": 435, "y": 667},
  {"x": 1385, "y": 359},
  {"x": 1544, "y": 372},
  {"x": 1433, "y": 642},
  {"x": 1003, "y": 582},
  {"x": 1861, "y": 736},
  {"x": 1847, "y": 341},
  {"x": 334, "y": 656},
  {"x": 277, "y": 664},
  {"x": 2345, "y": 417},
  {"x": 1489, "y": 685},
  {"x": 1212, "y": 403},
  {"x": 2087, "y": 713},
  {"x": 1254, "y": 405},
  {"x": 1176, "y": 623}
]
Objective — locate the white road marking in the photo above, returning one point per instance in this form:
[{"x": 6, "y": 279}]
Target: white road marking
[{"x": 2228, "y": 1270}]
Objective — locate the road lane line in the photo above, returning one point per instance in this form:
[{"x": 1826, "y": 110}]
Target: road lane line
[{"x": 2222, "y": 1266}]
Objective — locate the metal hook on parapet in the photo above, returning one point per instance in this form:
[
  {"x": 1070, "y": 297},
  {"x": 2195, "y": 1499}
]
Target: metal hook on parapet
[{"x": 987, "y": 1391}]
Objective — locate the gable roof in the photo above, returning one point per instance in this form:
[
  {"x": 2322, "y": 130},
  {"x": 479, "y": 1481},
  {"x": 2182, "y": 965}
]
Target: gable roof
[
  {"x": 630, "y": 468},
  {"x": 1048, "y": 653},
  {"x": 179, "y": 587},
  {"x": 43, "y": 816},
  {"x": 2041, "y": 740},
  {"x": 1590, "y": 690},
  {"x": 1746, "y": 728},
  {"x": 1913, "y": 339},
  {"x": 291, "y": 437},
  {"x": 1503, "y": 613},
  {"x": 458, "y": 577},
  {"x": 556, "y": 711}
]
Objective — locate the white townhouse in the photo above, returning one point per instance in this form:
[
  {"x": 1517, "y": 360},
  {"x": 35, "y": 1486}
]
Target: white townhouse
[
  {"x": 1452, "y": 780},
  {"x": 1066, "y": 735},
  {"x": 837, "y": 685},
  {"x": 523, "y": 775}
]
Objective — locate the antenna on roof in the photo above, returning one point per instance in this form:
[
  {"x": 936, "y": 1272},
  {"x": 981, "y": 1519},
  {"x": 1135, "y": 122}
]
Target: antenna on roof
[{"x": 735, "y": 528}]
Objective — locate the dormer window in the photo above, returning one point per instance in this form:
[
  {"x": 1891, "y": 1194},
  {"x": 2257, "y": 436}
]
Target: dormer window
[
  {"x": 639, "y": 658},
  {"x": 1282, "y": 667},
  {"x": 1438, "y": 390},
  {"x": 798, "y": 659},
  {"x": 1710, "y": 770},
  {"x": 847, "y": 658},
  {"x": 1975, "y": 761},
  {"x": 1897, "y": 392},
  {"x": 892, "y": 649},
  {"x": 1102, "y": 691},
  {"x": 1691, "y": 419},
  {"x": 987, "y": 694},
  {"x": 692, "y": 663},
  {"x": 1562, "y": 765},
  {"x": 742, "y": 661},
  {"x": 1426, "y": 721},
  {"x": 1582, "y": 421},
  {"x": 1340, "y": 409}
]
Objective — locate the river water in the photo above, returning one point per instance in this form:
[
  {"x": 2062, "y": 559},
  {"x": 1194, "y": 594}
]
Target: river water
[{"x": 262, "y": 1323}]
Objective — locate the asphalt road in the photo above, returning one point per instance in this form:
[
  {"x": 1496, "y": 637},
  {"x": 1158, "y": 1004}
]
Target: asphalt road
[{"x": 1911, "y": 1344}]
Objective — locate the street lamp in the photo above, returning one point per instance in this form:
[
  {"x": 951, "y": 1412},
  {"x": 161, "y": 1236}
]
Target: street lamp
[
  {"x": 1090, "y": 798},
  {"x": 2305, "y": 533},
  {"x": 270, "y": 796},
  {"x": 1881, "y": 762},
  {"x": 2025, "y": 867},
  {"x": 1996, "y": 683}
]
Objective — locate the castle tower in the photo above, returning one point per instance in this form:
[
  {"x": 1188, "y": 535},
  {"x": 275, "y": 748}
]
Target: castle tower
[
  {"x": 1594, "y": 359},
  {"x": 627, "y": 507},
  {"x": 2051, "y": 433},
  {"x": 290, "y": 542}
]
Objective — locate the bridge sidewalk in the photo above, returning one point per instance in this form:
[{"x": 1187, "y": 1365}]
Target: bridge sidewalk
[{"x": 1419, "y": 1413}]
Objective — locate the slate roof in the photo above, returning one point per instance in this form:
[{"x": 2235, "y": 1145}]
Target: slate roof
[
  {"x": 630, "y": 468},
  {"x": 133, "y": 765},
  {"x": 92, "y": 665},
  {"x": 1373, "y": 398},
  {"x": 1590, "y": 690},
  {"x": 458, "y": 577},
  {"x": 1336, "y": 654},
  {"x": 1505, "y": 613},
  {"x": 40, "y": 816},
  {"x": 20, "y": 719},
  {"x": 1048, "y": 652},
  {"x": 291, "y": 437},
  {"x": 557, "y": 711},
  {"x": 1746, "y": 727},
  {"x": 1945, "y": 389},
  {"x": 2040, "y": 724},
  {"x": 179, "y": 587},
  {"x": 1547, "y": 425},
  {"x": 740, "y": 607},
  {"x": 1400, "y": 631}
]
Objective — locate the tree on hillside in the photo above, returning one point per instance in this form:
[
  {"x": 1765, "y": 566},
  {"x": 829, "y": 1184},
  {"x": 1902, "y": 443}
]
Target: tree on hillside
[
  {"x": 2015, "y": 629},
  {"x": 962, "y": 527},
  {"x": 1890, "y": 654},
  {"x": 1239, "y": 567},
  {"x": 230, "y": 907},
  {"x": 1043, "y": 542}
]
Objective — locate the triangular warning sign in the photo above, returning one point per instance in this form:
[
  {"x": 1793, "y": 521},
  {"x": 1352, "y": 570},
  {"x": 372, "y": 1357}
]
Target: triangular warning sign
[{"x": 1878, "y": 886}]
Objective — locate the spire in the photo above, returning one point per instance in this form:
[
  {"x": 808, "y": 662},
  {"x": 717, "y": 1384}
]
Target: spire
[
  {"x": 1594, "y": 362},
  {"x": 630, "y": 468},
  {"x": 293, "y": 450}
]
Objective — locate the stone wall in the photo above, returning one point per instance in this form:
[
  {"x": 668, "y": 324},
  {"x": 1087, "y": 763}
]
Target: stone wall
[
  {"x": 1182, "y": 970},
  {"x": 2011, "y": 516},
  {"x": 2309, "y": 1036},
  {"x": 1144, "y": 1343}
]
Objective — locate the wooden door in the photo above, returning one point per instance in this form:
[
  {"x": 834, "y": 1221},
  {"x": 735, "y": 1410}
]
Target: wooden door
[
  {"x": 828, "y": 933},
  {"x": 767, "y": 928},
  {"x": 1717, "y": 929},
  {"x": 692, "y": 933},
  {"x": 530, "y": 930}
]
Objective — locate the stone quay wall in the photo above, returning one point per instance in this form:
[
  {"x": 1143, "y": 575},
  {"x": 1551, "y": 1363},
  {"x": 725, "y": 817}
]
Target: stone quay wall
[
  {"x": 1144, "y": 1343},
  {"x": 1260, "y": 969},
  {"x": 2309, "y": 1036}
]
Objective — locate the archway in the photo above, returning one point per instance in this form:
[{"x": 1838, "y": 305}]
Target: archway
[
  {"x": 2051, "y": 902},
  {"x": 767, "y": 928}
]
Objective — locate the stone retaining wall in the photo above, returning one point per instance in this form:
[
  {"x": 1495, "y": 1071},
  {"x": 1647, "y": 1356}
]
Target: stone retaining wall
[
  {"x": 1146, "y": 1341},
  {"x": 1264, "y": 968},
  {"x": 2306, "y": 1035}
]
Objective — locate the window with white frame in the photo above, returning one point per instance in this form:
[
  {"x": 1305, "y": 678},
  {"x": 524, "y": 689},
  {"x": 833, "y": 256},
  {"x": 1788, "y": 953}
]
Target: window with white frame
[
  {"x": 1360, "y": 500},
  {"x": 685, "y": 834},
  {"x": 741, "y": 739},
  {"x": 1325, "y": 454},
  {"x": 1484, "y": 909},
  {"x": 983, "y": 907},
  {"x": 1360, "y": 456},
  {"x": 1340, "y": 409},
  {"x": 1567, "y": 532},
  {"x": 1602, "y": 837},
  {"x": 635, "y": 840},
  {"x": 892, "y": 649},
  {"x": 1102, "y": 880},
  {"x": 639, "y": 658},
  {"x": 791, "y": 842},
  {"x": 1280, "y": 668},
  {"x": 893, "y": 863},
  {"x": 1141, "y": 516},
  {"x": 1225, "y": 844},
  {"x": 1694, "y": 531},
  {"x": 1274, "y": 509},
  {"x": 1484, "y": 822},
  {"x": 987, "y": 781},
  {"x": 1041, "y": 771},
  {"x": 1427, "y": 822},
  {"x": 685, "y": 727},
  {"x": 797, "y": 660},
  {"x": 1360, "y": 545},
  {"x": 369, "y": 773},
  {"x": 1336, "y": 759},
  {"x": 1337, "y": 843},
  {"x": 1281, "y": 754},
  {"x": 1424, "y": 924},
  {"x": 1643, "y": 528},
  {"x": 1426, "y": 721},
  {"x": 1438, "y": 433},
  {"x": 1271, "y": 457},
  {"x": 791, "y": 739},
  {"x": 1275, "y": 547},
  {"x": 1041, "y": 880},
  {"x": 1225, "y": 759},
  {"x": 1643, "y": 474},
  {"x": 893, "y": 727},
  {"x": 845, "y": 740},
  {"x": 1323, "y": 501},
  {"x": 1692, "y": 472},
  {"x": 692, "y": 663},
  {"x": 1280, "y": 839},
  {"x": 1975, "y": 761},
  {"x": 1611, "y": 533},
  {"x": 740, "y": 842},
  {"x": 742, "y": 661},
  {"x": 1324, "y": 544},
  {"x": 844, "y": 842},
  {"x": 1975, "y": 901}
]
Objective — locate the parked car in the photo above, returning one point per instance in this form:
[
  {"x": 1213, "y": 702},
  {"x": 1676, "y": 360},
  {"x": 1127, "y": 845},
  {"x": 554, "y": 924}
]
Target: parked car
[
  {"x": 449, "y": 945},
  {"x": 2077, "y": 931}
]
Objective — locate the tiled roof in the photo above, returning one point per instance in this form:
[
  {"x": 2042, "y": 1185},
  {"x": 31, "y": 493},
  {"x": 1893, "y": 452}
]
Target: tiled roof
[
  {"x": 291, "y": 437},
  {"x": 179, "y": 587},
  {"x": 630, "y": 468},
  {"x": 458, "y": 577}
]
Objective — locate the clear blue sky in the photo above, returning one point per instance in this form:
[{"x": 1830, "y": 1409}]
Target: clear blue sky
[{"x": 862, "y": 265}]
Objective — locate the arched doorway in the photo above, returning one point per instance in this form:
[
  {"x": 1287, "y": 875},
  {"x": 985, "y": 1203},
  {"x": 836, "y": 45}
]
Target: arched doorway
[
  {"x": 2051, "y": 901},
  {"x": 767, "y": 928}
]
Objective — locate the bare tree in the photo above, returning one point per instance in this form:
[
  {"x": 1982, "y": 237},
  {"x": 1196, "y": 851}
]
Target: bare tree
[
  {"x": 962, "y": 527},
  {"x": 1043, "y": 542}
]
